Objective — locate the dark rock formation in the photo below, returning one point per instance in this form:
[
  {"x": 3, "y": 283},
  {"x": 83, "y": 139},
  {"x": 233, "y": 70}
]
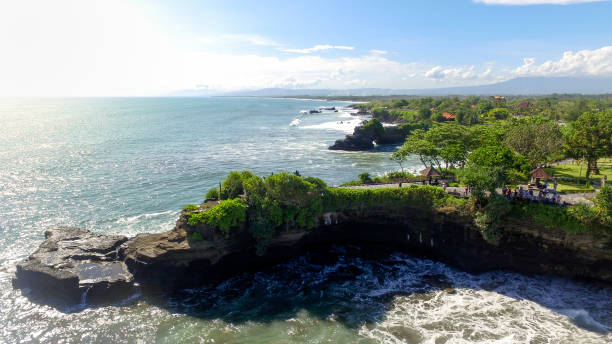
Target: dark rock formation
[
  {"x": 392, "y": 135},
  {"x": 354, "y": 142},
  {"x": 71, "y": 260},
  {"x": 364, "y": 136}
]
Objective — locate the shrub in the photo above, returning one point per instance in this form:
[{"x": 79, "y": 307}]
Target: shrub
[
  {"x": 190, "y": 207},
  {"x": 225, "y": 215},
  {"x": 515, "y": 177},
  {"x": 364, "y": 178},
  {"x": 489, "y": 219},
  {"x": 290, "y": 189},
  {"x": 426, "y": 197},
  {"x": 481, "y": 179},
  {"x": 319, "y": 183},
  {"x": 231, "y": 187},
  {"x": 213, "y": 193},
  {"x": 567, "y": 219},
  {"x": 603, "y": 204},
  {"x": 398, "y": 175},
  {"x": 391, "y": 177},
  {"x": 584, "y": 213}
]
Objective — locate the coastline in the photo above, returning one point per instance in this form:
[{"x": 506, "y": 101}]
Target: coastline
[{"x": 116, "y": 266}]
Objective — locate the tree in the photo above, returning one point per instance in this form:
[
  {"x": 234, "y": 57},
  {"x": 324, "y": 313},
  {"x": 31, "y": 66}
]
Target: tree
[
  {"x": 498, "y": 113},
  {"x": 535, "y": 138},
  {"x": 400, "y": 157},
  {"x": 424, "y": 113},
  {"x": 481, "y": 179},
  {"x": 454, "y": 154},
  {"x": 451, "y": 141},
  {"x": 498, "y": 155},
  {"x": 484, "y": 107},
  {"x": 481, "y": 135},
  {"x": 399, "y": 103},
  {"x": 231, "y": 186},
  {"x": 577, "y": 109},
  {"x": 590, "y": 138},
  {"x": 491, "y": 155},
  {"x": 417, "y": 143}
]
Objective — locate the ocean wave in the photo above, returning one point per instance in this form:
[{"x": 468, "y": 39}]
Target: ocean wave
[
  {"x": 342, "y": 125},
  {"x": 295, "y": 122},
  {"x": 584, "y": 319},
  {"x": 132, "y": 219},
  {"x": 402, "y": 299}
]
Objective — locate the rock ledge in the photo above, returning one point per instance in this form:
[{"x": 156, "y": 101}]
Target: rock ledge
[{"x": 75, "y": 264}]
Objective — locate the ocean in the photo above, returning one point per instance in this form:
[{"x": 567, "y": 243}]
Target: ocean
[{"x": 128, "y": 165}]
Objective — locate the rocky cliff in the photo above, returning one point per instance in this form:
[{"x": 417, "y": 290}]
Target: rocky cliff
[
  {"x": 363, "y": 138},
  {"x": 73, "y": 262}
]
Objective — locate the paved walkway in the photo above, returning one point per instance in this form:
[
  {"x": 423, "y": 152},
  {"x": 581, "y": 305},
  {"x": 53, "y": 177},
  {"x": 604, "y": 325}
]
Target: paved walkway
[{"x": 573, "y": 198}]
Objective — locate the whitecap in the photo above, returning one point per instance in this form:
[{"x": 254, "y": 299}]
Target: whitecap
[
  {"x": 132, "y": 219},
  {"x": 342, "y": 125}
]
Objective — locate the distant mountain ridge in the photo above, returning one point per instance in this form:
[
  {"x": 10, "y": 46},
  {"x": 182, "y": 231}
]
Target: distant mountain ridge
[{"x": 517, "y": 86}]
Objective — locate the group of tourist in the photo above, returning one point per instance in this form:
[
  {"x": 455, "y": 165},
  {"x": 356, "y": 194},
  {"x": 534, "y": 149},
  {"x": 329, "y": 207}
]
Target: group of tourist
[{"x": 544, "y": 195}]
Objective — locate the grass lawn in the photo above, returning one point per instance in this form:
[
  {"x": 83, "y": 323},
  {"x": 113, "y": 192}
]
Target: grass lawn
[{"x": 578, "y": 171}]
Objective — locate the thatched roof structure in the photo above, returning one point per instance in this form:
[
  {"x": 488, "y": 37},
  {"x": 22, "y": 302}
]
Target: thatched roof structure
[
  {"x": 539, "y": 173},
  {"x": 431, "y": 172}
]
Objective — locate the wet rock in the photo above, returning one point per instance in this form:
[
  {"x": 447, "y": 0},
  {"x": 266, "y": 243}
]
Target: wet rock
[
  {"x": 72, "y": 263},
  {"x": 362, "y": 139},
  {"x": 354, "y": 143}
]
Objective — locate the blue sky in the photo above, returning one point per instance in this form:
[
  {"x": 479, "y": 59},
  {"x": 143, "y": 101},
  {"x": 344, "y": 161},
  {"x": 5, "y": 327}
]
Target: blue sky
[{"x": 155, "y": 47}]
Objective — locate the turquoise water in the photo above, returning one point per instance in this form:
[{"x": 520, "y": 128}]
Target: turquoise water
[{"x": 129, "y": 165}]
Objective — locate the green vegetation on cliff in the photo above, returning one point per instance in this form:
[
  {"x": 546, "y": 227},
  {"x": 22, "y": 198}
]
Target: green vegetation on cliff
[
  {"x": 225, "y": 215},
  {"x": 391, "y": 177},
  {"x": 424, "y": 197},
  {"x": 285, "y": 200}
]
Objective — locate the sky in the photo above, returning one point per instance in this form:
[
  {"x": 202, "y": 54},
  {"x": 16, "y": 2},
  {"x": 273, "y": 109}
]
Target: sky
[{"x": 156, "y": 48}]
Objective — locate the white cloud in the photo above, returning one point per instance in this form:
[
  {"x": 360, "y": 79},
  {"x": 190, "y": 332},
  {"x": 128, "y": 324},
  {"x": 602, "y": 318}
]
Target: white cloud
[
  {"x": 229, "y": 72},
  {"x": 486, "y": 73},
  {"x": 318, "y": 47},
  {"x": 534, "y": 2},
  {"x": 378, "y": 52},
  {"x": 451, "y": 73},
  {"x": 240, "y": 38},
  {"x": 596, "y": 62},
  {"x": 43, "y": 55}
]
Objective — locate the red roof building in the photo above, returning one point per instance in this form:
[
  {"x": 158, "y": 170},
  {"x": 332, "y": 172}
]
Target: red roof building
[
  {"x": 523, "y": 105},
  {"x": 448, "y": 116}
]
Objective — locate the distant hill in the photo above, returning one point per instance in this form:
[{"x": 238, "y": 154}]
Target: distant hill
[{"x": 517, "y": 86}]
